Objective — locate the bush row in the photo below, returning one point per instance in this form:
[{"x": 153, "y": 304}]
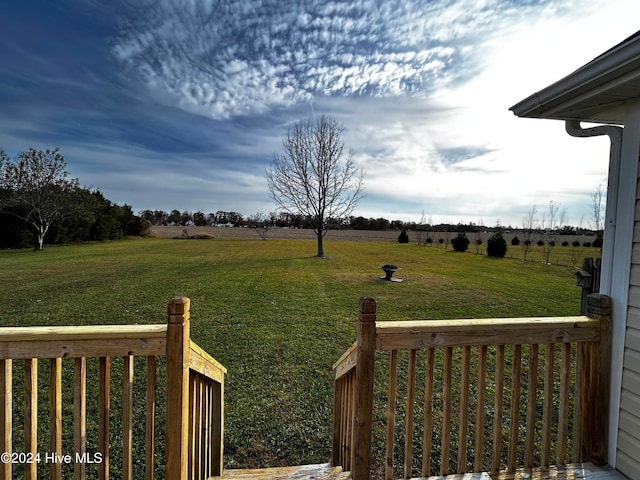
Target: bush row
[{"x": 496, "y": 244}]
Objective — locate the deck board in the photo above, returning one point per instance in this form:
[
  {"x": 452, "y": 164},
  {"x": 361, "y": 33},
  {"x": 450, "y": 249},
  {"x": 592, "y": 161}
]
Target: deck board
[
  {"x": 327, "y": 472},
  {"x": 305, "y": 472},
  {"x": 578, "y": 471}
]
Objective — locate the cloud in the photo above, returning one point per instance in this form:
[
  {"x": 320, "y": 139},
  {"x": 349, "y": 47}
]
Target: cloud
[{"x": 238, "y": 58}]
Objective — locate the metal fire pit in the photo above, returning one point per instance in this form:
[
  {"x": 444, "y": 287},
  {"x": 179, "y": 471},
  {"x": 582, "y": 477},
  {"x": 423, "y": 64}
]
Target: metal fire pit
[{"x": 389, "y": 271}]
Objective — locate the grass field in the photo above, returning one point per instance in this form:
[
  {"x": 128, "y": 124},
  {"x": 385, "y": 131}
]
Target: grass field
[{"x": 273, "y": 314}]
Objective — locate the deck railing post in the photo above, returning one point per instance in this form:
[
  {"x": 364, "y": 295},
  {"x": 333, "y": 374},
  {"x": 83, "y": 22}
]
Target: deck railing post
[
  {"x": 594, "y": 392},
  {"x": 361, "y": 454},
  {"x": 178, "y": 346}
]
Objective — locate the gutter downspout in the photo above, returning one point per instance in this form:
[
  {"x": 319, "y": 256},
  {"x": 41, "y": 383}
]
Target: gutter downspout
[
  {"x": 615, "y": 134},
  {"x": 574, "y": 129}
]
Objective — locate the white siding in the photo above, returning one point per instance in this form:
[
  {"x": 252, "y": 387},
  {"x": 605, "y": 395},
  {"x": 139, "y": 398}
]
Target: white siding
[
  {"x": 627, "y": 449},
  {"x": 628, "y": 444}
]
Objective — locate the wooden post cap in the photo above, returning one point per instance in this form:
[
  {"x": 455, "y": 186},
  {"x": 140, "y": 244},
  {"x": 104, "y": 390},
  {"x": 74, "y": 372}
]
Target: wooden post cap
[
  {"x": 178, "y": 306},
  {"x": 367, "y": 305}
]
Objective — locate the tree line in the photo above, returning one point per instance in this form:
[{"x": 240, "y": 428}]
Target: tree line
[{"x": 40, "y": 204}]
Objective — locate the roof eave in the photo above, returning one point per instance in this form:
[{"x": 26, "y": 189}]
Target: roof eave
[{"x": 594, "y": 74}]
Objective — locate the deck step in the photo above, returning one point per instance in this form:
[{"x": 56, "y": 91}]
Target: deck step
[{"x": 323, "y": 471}]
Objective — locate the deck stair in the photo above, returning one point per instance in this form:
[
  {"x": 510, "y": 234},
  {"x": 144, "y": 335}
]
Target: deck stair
[{"x": 323, "y": 471}]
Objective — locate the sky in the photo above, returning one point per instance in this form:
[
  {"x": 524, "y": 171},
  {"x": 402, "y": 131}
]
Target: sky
[{"x": 182, "y": 104}]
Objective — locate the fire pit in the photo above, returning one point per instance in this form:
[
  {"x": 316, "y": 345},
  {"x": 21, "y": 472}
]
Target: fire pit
[{"x": 389, "y": 271}]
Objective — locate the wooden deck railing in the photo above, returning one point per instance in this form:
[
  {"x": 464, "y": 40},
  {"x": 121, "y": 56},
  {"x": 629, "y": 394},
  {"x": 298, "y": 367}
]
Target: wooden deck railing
[
  {"x": 461, "y": 379},
  {"x": 81, "y": 429}
]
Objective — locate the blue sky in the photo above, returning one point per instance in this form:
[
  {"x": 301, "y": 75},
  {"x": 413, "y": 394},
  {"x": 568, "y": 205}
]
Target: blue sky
[{"x": 180, "y": 104}]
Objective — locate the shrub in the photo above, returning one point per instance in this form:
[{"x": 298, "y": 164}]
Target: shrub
[
  {"x": 565, "y": 244},
  {"x": 496, "y": 245},
  {"x": 575, "y": 243},
  {"x": 540, "y": 243},
  {"x": 586, "y": 244},
  {"x": 597, "y": 243},
  {"x": 515, "y": 241},
  {"x": 460, "y": 243},
  {"x": 429, "y": 240},
  {"x": 403, "y": 237}
]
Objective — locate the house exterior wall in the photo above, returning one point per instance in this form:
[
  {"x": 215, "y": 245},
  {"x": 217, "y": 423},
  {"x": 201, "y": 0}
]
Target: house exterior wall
[{"x": 627, "y": 454}]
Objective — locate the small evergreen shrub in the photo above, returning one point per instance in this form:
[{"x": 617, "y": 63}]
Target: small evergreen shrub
[
  {"x": 586, "y": 244},
  {"x": 565, "y": 244},
  {"x": 575, "y": 243},
  {"x": 403, "y": 237},
  {"x": 460, "y": 243},
  {"x": 515, "y": 241},
  {"x": 496, "y": 245},
  {"x": 429, "y": 240},
  {"x": 597, "y": 243},
  {"x": 540, "y": 243}
]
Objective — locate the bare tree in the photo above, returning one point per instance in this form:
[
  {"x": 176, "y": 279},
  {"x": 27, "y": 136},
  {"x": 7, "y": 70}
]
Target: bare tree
[
  {"x": 261, "y": 223},
  {"x": 422, "y": 229},
  {"x": 552, "y": 223},
  {"x": 314, "y": 176},
  {"x": 529, "y": 225},
  {"x": 598, "y": 201},
  {"x": 34, "y": 188},
  {"x": 477, "y": 236}
]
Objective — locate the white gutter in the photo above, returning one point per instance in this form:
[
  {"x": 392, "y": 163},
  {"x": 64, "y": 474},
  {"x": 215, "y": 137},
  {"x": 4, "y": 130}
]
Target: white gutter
[{"x": 615, "y": 151}]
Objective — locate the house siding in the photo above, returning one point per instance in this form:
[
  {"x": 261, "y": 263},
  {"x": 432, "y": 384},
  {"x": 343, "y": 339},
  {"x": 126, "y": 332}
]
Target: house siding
[{"x": 628, "y": 445}]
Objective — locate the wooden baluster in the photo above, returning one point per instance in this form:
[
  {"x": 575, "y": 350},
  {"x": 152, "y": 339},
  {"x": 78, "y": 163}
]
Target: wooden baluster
[
  {"x": 446, "y": 412},
  {"x": 391, "y": 414},
  {"x": 218, "y": 422},
  {"x": 55, "y": 416},
  {"x": 104, "y": 406},
  {"x": 515, "y": 407},
  {"x": 563, "y": 411},
  {"x": 579, "y": 397},
  {"x": 31, "y": 416},
  {"x": 481, "y": 392},
  {"x": 150, "y": 419},
  {"x": 79, "y": 416},
  {"x": 464, "y": 410},
  {"x": 6, "y": 417},
  {"x": 428, "y": 413},
  {"x": 547, "y": 409},
  {"x": 532, "y": 386},
  {"x": 127, "y": 418},
  {"x": 408, "y": 436},
  {"x": 498, "y": 410},
  {"x": 350, "y": 419}
]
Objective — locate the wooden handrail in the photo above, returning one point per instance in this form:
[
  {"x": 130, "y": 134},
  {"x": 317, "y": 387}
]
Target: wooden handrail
[
  {"x": 481, "y": 365},
  {"x": 20, "y": 343},
  {"x": 194, "y": 409}
]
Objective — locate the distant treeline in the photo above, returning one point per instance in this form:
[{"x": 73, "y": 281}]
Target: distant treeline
[
  {"x": 87, "y": 216},
  {"x": 288, "y": 220}
]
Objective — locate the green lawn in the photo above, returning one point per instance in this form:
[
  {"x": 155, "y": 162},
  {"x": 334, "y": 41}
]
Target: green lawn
[{"x": 273, "y": 314}]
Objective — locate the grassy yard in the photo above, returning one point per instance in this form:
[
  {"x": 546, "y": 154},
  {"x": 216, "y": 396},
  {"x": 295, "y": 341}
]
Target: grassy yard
[{"x": 273, "y": 314}]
